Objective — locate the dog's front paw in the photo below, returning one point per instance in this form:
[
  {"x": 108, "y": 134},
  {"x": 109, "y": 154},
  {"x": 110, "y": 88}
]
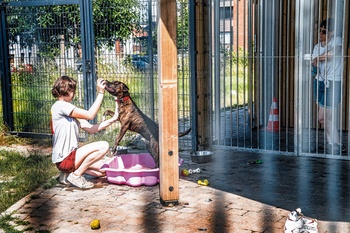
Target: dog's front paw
[{"x": 107, "y": 113}]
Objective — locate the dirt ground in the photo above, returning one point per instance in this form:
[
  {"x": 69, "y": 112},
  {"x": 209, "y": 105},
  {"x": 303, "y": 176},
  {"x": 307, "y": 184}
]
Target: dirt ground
[{"x": 28, "y": 149}]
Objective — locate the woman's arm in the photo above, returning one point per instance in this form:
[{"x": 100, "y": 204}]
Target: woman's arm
[
  {"x": 90, "y": 128},
  {"x": 91, "y": 113},
  {"x": 328, "y": 54}
]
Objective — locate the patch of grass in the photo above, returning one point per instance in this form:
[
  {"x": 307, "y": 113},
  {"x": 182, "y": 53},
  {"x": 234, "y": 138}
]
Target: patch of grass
[
  {"x": 5, "y": 224},
  {"x": 235, "y": 80},
  {"x": 45, "y": 142},
  {"x": 6, "y": 138},
  {"x": 8, "y": 223},
  {"x": 21, "y": 175}
]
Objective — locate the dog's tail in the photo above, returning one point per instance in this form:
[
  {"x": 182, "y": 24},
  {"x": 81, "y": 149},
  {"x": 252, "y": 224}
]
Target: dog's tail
[{"x": 181, "y": 134}]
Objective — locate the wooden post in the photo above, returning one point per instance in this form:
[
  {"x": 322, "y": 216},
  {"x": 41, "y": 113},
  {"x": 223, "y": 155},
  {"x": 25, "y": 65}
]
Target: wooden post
[
  {"x": 168, "y": 104},
  {"x": 203, "y": 76}
]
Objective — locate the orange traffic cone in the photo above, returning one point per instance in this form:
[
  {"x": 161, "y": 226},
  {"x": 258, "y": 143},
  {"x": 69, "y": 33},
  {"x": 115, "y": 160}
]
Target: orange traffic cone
[{"x": 273, "y": 124}]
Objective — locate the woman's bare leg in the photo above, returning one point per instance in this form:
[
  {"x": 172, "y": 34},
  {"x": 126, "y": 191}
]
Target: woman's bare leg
[
  {"x": 94, "y": 170},
  {"x": 88, "y": 158},
  {"x": 331, "y": 127},
  {"x": 321, "y": 115}
]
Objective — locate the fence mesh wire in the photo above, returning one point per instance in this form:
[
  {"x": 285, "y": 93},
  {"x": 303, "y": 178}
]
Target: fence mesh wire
[{"x": 45, "y": 42}]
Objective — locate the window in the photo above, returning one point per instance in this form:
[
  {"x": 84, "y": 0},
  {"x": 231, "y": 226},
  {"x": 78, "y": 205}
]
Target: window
[
  {"x": 226, "y": 12},
  {"x": 225, "y": 37}
]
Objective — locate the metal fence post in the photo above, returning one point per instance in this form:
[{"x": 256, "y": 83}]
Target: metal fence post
[
  {"x": 88, "y": 55},
  {"x": 5, "y": 72}
]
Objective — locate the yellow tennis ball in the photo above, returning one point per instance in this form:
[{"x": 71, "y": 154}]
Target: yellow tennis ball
[
  {"x": 184, "y": 172},
  {"x": 95, "y": 224}
]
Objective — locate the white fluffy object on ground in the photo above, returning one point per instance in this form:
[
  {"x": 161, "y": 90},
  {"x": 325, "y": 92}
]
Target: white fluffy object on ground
[{"x": 297, "y": 223}]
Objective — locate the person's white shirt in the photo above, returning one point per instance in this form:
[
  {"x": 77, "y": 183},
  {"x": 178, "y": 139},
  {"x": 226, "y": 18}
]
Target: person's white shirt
[{"x": 332, "y": 68}]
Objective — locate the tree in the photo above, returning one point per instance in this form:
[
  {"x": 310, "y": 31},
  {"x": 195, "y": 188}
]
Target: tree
[
  {"x": 45, "y": 25},
  {"x": 115, "y": 19},
  {"x": 182, "y": 25}
]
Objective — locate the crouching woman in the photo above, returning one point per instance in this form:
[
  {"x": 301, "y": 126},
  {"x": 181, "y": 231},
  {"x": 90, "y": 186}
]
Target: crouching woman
[{"x": 74, "y": 161}]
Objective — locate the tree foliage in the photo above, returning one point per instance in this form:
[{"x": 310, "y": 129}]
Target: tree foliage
[
  {"x": 113, "y": 19},
  {"x": 182, "y": 25}
]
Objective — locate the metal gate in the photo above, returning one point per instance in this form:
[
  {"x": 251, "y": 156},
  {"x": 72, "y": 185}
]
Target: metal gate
[
  {"x": 42, "y": 40},
  {"x": 262, "y": 85},
  {"x": 264, "y": 90},
  {"x": 35, "y": 54},
  {"x": 134, "y": 61}
]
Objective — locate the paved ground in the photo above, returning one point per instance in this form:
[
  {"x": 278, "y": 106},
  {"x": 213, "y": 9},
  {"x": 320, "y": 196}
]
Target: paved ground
[{"x": 241, "y": 197}]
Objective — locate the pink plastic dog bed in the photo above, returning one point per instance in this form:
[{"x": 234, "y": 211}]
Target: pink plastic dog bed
[{"x": 132, "y": 170}]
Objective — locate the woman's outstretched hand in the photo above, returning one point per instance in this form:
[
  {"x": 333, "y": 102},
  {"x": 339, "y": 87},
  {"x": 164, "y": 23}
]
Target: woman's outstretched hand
[{"x": 101, "y": 84}]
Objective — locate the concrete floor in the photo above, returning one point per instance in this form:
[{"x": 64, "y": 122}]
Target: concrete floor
[
  {"x": 235, "y": 131},
  {"x": 241, "y": 197}
]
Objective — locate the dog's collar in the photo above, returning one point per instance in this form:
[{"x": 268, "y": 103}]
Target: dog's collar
[{"x": 122, "y": 99}]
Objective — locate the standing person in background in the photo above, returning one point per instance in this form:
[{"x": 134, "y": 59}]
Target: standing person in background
[
  {"x": 328, "y": 65},
  {"x": 74, "y": 161}
]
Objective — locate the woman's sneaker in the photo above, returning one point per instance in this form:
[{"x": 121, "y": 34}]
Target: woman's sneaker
[
  {"x": 343, "y": 148},
  {"x": 79, "y": 181},
  {"x": 63, "y": 178}
]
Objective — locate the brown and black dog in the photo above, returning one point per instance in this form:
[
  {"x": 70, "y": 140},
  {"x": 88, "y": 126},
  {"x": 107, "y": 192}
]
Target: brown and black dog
[{"x": 132, "y": 118}]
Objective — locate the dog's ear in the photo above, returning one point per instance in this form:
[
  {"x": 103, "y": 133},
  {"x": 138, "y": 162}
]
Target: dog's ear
[{"x": 125, "y": 88}]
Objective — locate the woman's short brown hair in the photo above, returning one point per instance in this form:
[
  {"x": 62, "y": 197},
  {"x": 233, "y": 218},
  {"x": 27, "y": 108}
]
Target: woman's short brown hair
[
  {"x": 328, "y": 24},
  {"x": 63, "y": 85}
]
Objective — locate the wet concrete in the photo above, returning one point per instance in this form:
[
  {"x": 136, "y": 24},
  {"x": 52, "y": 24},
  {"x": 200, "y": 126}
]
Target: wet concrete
[
  {"x": 235, "y": 130},
  {"x": 320, "y": 187}
]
